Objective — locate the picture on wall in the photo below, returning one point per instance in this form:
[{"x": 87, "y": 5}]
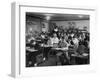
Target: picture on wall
[{"x": 54, "y": 39}]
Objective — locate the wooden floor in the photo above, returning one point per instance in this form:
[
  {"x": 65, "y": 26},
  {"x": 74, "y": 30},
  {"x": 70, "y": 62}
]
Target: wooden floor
[{"x": 50, "y": 62}]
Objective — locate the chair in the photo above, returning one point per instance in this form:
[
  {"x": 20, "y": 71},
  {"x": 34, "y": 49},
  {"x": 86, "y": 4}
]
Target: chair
[{"x": 39, "y": 58}]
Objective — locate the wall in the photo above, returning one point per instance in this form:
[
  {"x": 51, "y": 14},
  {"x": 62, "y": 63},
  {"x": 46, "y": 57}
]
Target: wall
[
  {"x": 78, "y": 24},
  {"x": 33, "y": 24}
]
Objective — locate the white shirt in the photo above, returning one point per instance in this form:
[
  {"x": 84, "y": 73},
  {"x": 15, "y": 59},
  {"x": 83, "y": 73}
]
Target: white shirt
[
  {"x": 72, "y": 35},
  {"x": 56, "y": 30},
  {"x": 75, "y": 40},
  {"x": 54, "y": 40}
]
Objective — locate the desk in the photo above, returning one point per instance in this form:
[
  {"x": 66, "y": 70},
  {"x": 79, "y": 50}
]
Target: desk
[
  {"x": 30, "y": 49},
  {"x": 61, "y": 54},
  {"x": 80, "y": 59},
  {"x": 31, "y": 54},
  {"x": 62, "y": 49},
  {"x": 45, "y": 51}
]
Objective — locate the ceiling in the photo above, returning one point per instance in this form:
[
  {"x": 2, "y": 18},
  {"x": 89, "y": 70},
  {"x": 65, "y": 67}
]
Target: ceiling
[{"x": 58, "y": 17}]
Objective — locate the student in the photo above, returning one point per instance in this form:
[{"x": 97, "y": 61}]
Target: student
[
  {"x": 64, "y": 45},
  {"x": 76, "y": 42},
  {"x": 54, "y": 39}
]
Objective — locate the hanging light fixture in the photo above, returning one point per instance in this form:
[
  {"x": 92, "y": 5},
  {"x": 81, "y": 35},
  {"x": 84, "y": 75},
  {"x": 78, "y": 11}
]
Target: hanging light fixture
[
  {"x": 48, "y": 17},
  {"x": 80, "y": 16}
]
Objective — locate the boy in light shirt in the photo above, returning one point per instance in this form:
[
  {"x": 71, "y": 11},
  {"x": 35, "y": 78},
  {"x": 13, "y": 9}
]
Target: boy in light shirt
[{"x": 54, "y": 39}]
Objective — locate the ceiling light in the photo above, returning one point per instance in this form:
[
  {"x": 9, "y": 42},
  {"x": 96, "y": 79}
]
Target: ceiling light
[
  {"x": 48, "y": 17},
  {"x": 49, "y": 14},
  {"x": 80, "y": 16}
]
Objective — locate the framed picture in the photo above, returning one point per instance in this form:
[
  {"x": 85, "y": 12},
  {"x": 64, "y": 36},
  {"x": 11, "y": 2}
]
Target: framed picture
[{"x": 52, "y": 40}]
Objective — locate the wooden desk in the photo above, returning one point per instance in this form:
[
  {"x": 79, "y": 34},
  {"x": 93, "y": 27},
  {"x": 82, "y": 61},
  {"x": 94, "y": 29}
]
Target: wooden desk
[
  {"x": 31, "y": 49},
  {"x": 80, "y": 59}
]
